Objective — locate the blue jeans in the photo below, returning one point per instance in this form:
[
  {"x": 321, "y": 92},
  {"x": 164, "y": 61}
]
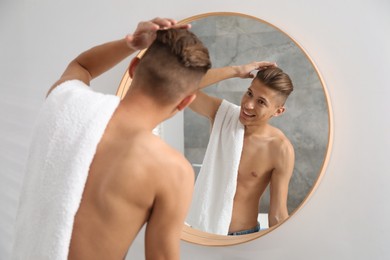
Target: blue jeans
[{"x": 247, "y": 231}]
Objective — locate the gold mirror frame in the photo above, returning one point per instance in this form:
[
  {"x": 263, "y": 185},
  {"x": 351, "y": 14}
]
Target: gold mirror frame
[{"x": 207, "y": 239}]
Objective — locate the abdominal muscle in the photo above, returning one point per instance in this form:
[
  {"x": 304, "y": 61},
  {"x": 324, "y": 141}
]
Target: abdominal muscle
[{"x": 250, "y": 187}]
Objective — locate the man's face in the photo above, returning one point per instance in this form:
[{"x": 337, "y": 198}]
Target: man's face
[{"x": 259, "y": 104}]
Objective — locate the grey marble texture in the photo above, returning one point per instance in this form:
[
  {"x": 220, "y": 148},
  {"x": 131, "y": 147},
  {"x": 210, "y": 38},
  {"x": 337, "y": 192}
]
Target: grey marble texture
[{"x": 234, "y": 40}]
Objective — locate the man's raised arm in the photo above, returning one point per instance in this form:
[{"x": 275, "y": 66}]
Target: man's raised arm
[
  {"x": 97, "y": 60},
  {"x": 206, "y": 105}
]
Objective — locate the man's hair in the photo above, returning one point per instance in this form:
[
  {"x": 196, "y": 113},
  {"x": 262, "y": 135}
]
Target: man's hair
[
  {"x": 171, "y": 65},
  {"x": 276, "y": 79}
]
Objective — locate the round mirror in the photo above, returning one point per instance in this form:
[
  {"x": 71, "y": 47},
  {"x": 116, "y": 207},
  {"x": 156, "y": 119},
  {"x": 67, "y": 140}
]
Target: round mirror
[{"x": 235, "y": 39}]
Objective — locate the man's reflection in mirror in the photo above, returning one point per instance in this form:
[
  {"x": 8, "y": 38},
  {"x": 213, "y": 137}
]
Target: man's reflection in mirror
[{"x": 267, "y": 155}]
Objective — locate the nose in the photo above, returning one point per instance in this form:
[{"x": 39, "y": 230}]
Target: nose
[{"x": 249, "y": 104}]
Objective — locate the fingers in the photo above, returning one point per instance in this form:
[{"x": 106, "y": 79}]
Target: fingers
[
  {"x": 148, "y": 26},
  {"x": 250, "y": 70},
  {"x": 167, "y": 23},
  {"x": 182, "y": 26},
  {"x": 264, "y": 64},
  {"x": 145, "y": 32},
  {"x": 164, "y": 23},
  {"x": 251, "y": 75},
  {"x": 155, "y": 24}
]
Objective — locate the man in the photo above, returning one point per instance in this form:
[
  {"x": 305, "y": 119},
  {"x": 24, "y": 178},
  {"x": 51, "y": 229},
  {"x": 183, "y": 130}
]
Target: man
[
  {"x": 136, "y": 178},
  {"x": 267, "y": 156}
]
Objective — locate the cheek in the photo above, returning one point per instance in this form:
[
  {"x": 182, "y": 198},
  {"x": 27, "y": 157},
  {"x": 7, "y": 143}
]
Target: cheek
[
  {"x": 263, "y": 112},
  {"x": 243, "y": 99}
]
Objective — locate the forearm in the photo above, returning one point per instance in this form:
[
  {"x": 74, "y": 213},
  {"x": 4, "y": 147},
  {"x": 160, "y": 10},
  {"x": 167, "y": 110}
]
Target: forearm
[
  {"x": 276, "y": 218},
  {"x": 101, "y": 58},
  {"x": 218, "y": 74},
  {"x": 97, "y": 60},
  {"x": 242, "y": 71}
]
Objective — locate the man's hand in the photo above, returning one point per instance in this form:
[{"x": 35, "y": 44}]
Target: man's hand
[
  {"x": 244, "y": 71},
  {"x": 97, "y": 60},
  {"x": 145, "y": 32}
]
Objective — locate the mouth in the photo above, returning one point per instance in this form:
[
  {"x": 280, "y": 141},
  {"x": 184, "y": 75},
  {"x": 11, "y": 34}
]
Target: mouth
[{"x": 246, "y": 114}]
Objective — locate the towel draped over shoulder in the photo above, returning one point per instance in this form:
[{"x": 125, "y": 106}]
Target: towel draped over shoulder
[
  {"x": 215, "y": 187},
  {"x": 69, "y": 127}
]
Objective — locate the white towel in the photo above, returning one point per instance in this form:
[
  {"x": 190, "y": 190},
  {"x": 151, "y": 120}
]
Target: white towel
[
  {"x": 215, "y": 187},
  {"x": 69, "y": 127}
]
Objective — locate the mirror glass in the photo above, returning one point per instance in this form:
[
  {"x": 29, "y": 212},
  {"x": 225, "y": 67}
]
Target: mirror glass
[{"x": 235, "y": 39}]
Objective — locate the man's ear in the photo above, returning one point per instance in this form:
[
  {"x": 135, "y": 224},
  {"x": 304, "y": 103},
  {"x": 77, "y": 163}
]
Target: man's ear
[
  {"x": 133, "y": 64},
  {"x": 279, "y": 111},
  {"x": 186, "y": 102}
]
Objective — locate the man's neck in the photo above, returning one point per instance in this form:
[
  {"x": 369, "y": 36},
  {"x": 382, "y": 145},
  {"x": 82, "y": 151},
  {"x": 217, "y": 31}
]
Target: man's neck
[
  {"x": 259, "y": 130},
  {"x": 142, "y": 112}
]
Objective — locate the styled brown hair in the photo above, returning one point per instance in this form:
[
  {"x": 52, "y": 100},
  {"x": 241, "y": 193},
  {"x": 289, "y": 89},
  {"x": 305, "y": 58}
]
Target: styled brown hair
[
  {"x": 276, "y": 79},
  {"x": 173, "y": 65}
]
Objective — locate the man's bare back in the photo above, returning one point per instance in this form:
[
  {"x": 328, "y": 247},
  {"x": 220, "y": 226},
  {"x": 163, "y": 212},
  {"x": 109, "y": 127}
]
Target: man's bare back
[
  {"x": 258, "y": 160},
  {"x": 132, "y": 180}
]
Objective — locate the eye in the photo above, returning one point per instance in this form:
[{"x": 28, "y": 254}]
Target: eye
[
  {"x": 249, "y": 93},
  {"x": 261, "y": 102}
]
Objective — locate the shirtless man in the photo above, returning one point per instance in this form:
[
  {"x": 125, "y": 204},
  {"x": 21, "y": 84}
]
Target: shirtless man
[
  {"x": 135, "y": 177},
  {"x": 267, "y": 156}
]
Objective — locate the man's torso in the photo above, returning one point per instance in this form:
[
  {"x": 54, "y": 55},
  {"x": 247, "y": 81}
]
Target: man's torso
[
  {"x": 119, "y": 193},
  {"x": 254, "y": 174}
]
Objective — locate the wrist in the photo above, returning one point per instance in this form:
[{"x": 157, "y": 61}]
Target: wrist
[
  {"x": 235, "y": 71},
  {"x": 127, "y": 40}
]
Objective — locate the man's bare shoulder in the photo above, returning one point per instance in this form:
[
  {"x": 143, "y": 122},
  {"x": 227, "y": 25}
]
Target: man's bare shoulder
[
  {"x": 280, "y": 144},
  {"x": 160, "y": 159},
  {"x": 283, "y": 155}
]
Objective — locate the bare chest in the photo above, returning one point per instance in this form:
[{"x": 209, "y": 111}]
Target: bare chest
[{"x": 255, "y": 165}]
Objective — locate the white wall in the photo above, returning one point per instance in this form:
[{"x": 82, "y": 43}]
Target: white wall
[{"x": 346, "y": 218}]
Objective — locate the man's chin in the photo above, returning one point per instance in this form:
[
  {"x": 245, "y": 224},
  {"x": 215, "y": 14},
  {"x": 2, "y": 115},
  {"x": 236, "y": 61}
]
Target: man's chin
[{"x": 243, "y": 121}]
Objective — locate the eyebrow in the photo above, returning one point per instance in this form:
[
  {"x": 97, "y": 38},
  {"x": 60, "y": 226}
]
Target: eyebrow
[{"x": 262, "y": 98}]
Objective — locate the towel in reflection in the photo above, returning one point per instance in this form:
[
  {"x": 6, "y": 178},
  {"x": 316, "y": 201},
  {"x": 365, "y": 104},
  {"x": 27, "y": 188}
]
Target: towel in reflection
[{"x": 215, "y": 187}]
